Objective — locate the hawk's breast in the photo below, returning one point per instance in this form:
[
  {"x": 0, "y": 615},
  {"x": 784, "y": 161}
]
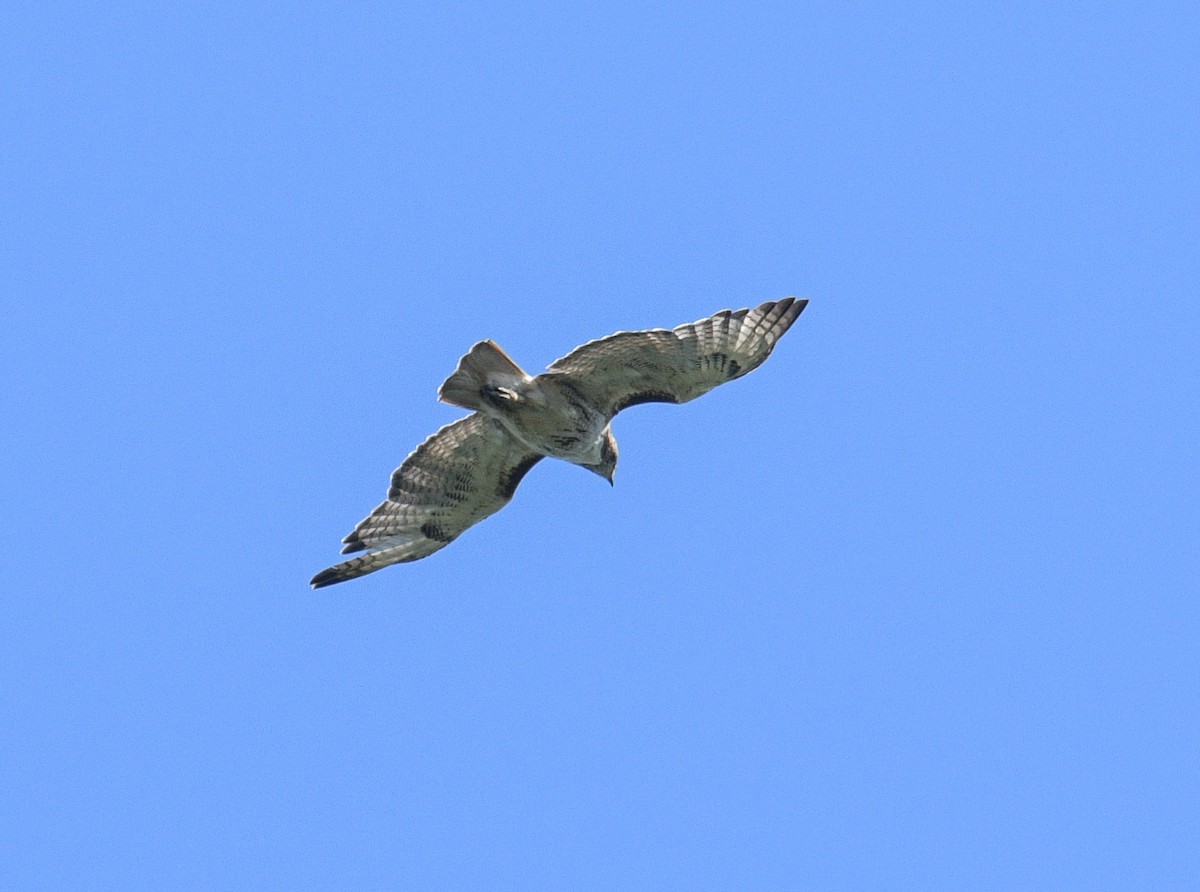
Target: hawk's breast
[{"x": 555, "y": 420}]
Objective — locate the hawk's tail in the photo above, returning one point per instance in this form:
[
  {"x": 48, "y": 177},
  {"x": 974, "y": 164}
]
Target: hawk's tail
[{"x": 485, "y": 365}]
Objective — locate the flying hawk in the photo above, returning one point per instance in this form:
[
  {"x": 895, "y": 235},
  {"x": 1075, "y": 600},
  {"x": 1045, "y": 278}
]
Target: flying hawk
[{"x": 470, "y": 469}]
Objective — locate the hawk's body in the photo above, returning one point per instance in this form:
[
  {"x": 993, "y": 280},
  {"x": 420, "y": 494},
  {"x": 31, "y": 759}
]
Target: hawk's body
[
  {"x": 470, "y": 469},
  {"x": 548, "y": 413}
]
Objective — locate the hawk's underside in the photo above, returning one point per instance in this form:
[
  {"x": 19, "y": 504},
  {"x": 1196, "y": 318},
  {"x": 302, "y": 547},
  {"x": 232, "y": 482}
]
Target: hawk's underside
[{"x": 470, "y": 468}]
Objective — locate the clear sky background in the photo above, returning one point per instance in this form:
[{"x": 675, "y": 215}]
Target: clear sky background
[{"x": 914, "y": 605}]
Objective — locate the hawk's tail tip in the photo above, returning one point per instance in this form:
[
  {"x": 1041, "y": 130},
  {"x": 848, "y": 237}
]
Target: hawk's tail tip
[{"x": 485, "y": 364}]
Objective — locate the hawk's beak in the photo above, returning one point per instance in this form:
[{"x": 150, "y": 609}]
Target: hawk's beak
[{"x": 595, "y": 469}]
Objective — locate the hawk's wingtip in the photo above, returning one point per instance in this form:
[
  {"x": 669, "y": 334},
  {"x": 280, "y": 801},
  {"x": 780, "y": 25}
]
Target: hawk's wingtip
[
  {"x": 326, "y": 577},
  {"x": 785, "y": 306}
]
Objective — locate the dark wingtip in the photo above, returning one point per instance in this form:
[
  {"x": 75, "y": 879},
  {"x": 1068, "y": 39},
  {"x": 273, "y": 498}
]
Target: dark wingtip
[
  {"x": 792, "y": 305},
  {"x": 785, "y": 308},
  {"x": 352, "y": 544},
  {"x": 787, "y": 311},
  {"x": 328, "y": 577}
]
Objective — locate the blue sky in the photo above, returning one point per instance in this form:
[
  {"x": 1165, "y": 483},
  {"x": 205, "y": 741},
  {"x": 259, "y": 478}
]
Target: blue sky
[{"x": 914, "y": 605}]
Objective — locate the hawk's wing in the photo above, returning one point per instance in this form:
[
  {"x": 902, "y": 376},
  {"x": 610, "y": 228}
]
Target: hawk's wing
[
  {"x": 660, "y": 366},
  {"x": 463, "y": 473}
]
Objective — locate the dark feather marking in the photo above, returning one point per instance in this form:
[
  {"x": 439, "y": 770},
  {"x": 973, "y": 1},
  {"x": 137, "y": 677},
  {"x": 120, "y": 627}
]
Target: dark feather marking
[
  {"x": 432, "y": 531},
  {"x": 353, "y": 544},
  {"x": 414, "y": 490},
  {"x": 328, "y": 577},
  {"x": 510, "y": 482},
  {"x": 410, "y": 481},
  {"x": 460, "y": 486},
  {"x": 572, "y": 394},
  {"x": 415, "y": 494},
  {"x": 648, "y": 396}
]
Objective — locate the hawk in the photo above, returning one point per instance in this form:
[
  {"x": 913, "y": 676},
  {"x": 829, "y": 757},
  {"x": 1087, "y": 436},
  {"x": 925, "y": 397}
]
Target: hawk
[{"x": 470, "y": 468}]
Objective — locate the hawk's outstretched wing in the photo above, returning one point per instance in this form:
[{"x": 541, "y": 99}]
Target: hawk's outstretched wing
[
  {"x": 660, "y": 366},
  {"x": 463, "y": 473}
]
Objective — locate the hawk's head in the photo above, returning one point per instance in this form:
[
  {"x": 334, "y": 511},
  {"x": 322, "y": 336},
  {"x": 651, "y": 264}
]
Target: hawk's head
[{"x": 608, "y": 457}]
